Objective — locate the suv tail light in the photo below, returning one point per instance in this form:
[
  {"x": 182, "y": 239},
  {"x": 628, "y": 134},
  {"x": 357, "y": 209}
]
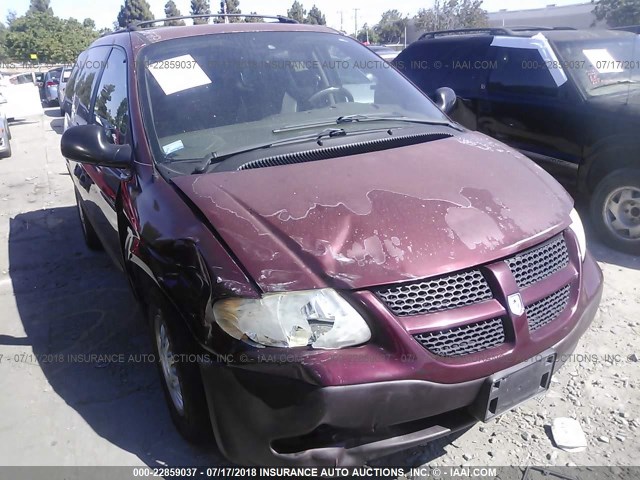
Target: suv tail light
[{"x": 51, "y": 84}]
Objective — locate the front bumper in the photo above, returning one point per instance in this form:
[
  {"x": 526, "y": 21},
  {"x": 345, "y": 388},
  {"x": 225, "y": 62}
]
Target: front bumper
[{"x": 268, "y": 419}]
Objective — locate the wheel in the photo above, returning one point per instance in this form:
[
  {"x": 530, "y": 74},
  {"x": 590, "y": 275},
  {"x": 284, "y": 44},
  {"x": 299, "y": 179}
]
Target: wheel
[
  {"x": 90, "y": 235},
  {"x": 179, "y": 375},
  {"x": 615, "y": 210},
  {"x": 7, "y": 152}
]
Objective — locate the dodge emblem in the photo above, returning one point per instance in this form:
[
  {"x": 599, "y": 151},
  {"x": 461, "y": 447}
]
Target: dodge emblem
[{"x": 515, "y": 304}]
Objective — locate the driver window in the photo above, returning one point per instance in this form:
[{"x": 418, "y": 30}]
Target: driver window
[{"x": 111, "y": 108}]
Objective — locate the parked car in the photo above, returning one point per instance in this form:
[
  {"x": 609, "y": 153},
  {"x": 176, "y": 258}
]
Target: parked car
[
  {"x": 386, "y": 53},
  {"x": 64, "y": 77},
  {"x": 22, "y": 78},
  {"x": 50, "y": 86},
  {"x": 326, "y": 281},
  {"x": 568, "y": 99},
  {"x": 5, "y": 133},
  {"x": 632, "y": 29},
  {"x": 39, "y": 79}
]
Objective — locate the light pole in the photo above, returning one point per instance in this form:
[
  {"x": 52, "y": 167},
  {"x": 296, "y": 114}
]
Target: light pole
[{"x": 355, "y": 10}]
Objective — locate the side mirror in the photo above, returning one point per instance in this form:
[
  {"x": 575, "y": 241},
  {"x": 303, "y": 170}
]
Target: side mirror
[
  {"x": 91, "y": 144},
  {"x": 445, "y": 98}
]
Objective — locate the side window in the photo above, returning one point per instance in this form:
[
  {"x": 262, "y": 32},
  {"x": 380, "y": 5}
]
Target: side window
[
  {"x": 522, "y": 70},
  {"x": 87, "y": 79},
  {"x": 460, "y": 64},
  {"x": 111, "y": 108},
  {"x": 75, "y": 71}
]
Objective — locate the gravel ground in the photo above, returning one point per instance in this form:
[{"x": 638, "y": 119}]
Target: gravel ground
[{"x": 56, "y": 296}]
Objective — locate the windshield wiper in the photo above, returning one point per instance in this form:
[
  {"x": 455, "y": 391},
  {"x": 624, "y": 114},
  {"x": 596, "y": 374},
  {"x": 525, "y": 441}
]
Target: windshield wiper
[
  {"x": 396, "y": 118},
  {"x": 215, "y": 158}
]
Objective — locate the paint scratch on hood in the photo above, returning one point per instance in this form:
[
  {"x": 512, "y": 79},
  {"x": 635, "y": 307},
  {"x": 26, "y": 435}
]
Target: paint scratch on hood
[
  {"x": 381, "y": 217},
  {"x": 474, "y": 227}
]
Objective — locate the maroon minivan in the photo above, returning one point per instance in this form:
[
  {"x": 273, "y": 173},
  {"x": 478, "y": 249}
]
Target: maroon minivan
[{"x": 332, "y": 269}]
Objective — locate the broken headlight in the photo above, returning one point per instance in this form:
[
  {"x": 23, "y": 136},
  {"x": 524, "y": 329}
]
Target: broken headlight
[{"x": 319, "y": 318}]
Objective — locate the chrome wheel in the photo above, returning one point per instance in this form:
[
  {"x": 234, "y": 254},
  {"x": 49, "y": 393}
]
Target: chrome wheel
[
  {"x": 168, "y": 363},
  {"x": 622, "y": 213}
]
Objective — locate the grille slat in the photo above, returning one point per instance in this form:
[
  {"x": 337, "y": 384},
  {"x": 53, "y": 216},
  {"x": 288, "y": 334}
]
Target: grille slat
[
  {"x": 548, "y": 309},
  {"x": 469, "y": 288},
  {"x": 436, "y": 295},
  {"x": 540, "y": 262},
  {"x": 464, "y": 340}
]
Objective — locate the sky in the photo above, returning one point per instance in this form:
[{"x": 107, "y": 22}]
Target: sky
[{"x": 105, "y": 12}]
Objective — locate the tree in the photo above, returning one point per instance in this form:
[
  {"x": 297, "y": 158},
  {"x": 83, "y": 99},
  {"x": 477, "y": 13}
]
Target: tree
[
  {"x": 89, "y": 23},
  {"x": 11, "y": 17},
  {"x": 254, "y": 19},
  {"x": 230, "y": 6},
  {"x": 368, "y": 34},
  {"x": 297, "y": 12},
  {"x": 53, "y": 39},
  {"x": 391, "y": 27},
  {"x": 617, "y": 13},
  {"x": 315, "y": 17},
  {"x": 134, "y": 11},
  {"x": 4, "y": 55},
  {"x": 452, "y": 14},
  {"x": 200, "y": 7},
  {"x": 40, "y": 6},
  {"x": 171, "y": 10}
]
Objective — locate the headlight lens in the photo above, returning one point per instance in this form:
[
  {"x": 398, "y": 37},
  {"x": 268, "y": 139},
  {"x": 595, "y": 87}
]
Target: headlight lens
[
  {"x": 320, "y": 318},
  {"x": 578, "y": 230}
]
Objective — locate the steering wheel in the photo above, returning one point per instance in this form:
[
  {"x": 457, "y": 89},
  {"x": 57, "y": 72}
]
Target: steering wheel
[{"x": 330, "y": 91}]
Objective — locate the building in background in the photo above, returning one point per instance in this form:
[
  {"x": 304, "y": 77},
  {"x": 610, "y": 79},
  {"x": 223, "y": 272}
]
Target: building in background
[
  {"x": 575, "y": 16},
  {"x": 579, "y": 15}
]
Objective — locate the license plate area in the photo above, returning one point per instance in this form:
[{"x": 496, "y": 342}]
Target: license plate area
[{"x": 509, "y": 388}]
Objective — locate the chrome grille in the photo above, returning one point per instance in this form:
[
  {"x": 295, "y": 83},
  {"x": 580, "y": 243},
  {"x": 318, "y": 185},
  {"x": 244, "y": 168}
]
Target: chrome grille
[
  {"x": 436, "y": 295},
  {"x": 540, "y": 262},
  {"x": 464, "y": 340},
  {"x": 548, "y": 309}
]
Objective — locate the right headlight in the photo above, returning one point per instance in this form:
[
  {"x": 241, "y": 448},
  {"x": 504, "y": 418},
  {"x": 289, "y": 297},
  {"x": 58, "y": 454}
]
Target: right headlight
[
  {"x": 578, "y": 229},
  {"x": 318, "y": 318}
]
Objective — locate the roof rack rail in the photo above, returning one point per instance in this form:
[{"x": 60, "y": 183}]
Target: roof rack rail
[
  {"x": 630, "y": 28},
  {"x": 506, "y": 31},
  {"x": 462, "y": 31},
  {"x": 526, "y": 28},
  {"x": 137, "y": 25}
]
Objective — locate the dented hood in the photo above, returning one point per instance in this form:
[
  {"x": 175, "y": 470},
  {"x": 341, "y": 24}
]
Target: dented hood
[{"x": 381, "y": 217}]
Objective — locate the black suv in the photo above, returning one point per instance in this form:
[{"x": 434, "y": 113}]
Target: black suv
[{"x": 568, "y": 99}]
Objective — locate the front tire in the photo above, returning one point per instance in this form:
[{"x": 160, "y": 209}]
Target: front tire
[
  {"x": 88, "y": 232},
  {"x": 615, "y": 210},
  {"x": 180, "y": 376}
]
